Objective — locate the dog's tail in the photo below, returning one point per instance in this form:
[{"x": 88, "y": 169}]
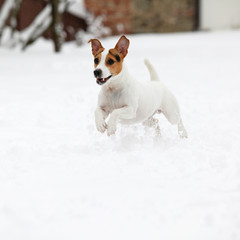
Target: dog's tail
[{"x": 152, "y": 71}]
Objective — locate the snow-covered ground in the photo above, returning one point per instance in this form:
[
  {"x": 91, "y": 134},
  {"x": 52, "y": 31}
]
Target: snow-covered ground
[{"x": 61, "y": 179}]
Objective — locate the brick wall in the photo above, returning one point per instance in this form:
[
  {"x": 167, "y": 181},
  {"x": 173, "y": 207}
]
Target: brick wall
[
  {"x": 139, "y": 16},
  {"x": 163, "y": 15},
  {"x": 116, "y": 12}
]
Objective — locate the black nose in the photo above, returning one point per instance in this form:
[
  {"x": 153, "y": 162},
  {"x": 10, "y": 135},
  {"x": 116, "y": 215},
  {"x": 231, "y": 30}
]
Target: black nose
[{"x": 97, "y": 73}]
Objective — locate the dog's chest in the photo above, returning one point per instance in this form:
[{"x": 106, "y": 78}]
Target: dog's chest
[{"x": 113, "y": 99}]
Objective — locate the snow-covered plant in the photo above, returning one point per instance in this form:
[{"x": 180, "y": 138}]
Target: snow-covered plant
[
  {"x": 95, "y": 29},
  {"x": 9, "y": 9},
  {"x": 44, "y": 20}
]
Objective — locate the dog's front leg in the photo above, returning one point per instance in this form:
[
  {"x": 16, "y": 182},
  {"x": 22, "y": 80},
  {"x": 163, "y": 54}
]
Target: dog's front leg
[
  {"x": 100, "y": 116},
  {"x": 122, "y": 113}
]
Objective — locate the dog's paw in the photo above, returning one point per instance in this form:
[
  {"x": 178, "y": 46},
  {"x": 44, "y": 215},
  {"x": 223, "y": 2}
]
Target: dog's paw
[
  {"x": 183, "y": 133},
  {"x": 111, "y": 128},
  {"x": 101, "y": 126}
]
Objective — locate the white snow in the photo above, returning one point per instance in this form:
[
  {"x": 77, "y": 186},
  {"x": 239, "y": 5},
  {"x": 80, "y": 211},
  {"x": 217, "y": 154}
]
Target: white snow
[{"x": 61, "y": 179}]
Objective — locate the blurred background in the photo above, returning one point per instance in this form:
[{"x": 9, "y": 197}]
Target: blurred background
[
  {"x": 22, "y": 22},
  {"x": 62, "y": 179}
]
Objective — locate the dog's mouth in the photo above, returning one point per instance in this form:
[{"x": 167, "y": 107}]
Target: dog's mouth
[{"x": 101, "y": 81}]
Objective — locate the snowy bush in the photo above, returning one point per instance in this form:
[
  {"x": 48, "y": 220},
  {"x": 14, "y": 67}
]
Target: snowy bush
[
  {"x": 95, "y": 29},
  {"x": 10, "y": 37}
]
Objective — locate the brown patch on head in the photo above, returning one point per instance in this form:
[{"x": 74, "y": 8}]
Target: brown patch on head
[
  {"x": 114, "y": 61},
  {"x": 97, "y": 59},
  {"x": 97, "y": 48},
  {"x": 115, "y": 57}
]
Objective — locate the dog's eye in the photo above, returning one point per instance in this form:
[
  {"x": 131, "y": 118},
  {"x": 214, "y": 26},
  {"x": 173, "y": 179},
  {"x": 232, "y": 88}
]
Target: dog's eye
[
  {"x": 96, "y": 60},
  {"x": 110, "y": 61}
]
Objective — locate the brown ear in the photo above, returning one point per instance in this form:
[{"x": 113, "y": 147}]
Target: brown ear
[
  {"x": 122, "y": 45},
  {"x": 96, "y": 46}
]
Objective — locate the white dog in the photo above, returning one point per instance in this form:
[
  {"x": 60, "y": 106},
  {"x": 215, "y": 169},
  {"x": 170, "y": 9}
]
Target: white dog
[{"x": 126, "y": 99}]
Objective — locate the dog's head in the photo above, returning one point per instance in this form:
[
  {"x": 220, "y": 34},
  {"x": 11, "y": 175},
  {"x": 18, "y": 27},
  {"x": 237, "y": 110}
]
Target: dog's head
[{"x": 108, "y": 64}]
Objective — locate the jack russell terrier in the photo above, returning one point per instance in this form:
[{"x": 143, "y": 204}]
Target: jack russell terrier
[{"x": 125, "y": 99}]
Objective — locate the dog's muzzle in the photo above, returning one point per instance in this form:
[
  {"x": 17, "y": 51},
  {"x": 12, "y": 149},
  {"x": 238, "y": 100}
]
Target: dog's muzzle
[{"x": 101, "y": 81}]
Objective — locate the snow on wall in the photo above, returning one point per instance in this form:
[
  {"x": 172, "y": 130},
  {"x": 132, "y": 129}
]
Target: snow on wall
[
  {"x": 41, "y": 22},
  {"x": 4, "y": 11},
  {"x": 77, "y": 8},
  {"x": 220, "y": 14},
  {"x": 43, "y": 15}
]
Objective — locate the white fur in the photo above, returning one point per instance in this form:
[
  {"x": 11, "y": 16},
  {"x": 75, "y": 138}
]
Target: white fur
[
  {"x": 105, "y": 71},
  {"x": 128, "y": 101}
]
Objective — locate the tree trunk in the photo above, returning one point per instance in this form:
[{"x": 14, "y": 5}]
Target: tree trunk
[{"x": 56, "y": 25}]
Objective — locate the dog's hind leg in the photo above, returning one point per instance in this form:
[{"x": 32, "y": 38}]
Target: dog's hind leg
[
  {"x": 154, "y": 123},
  {"x": 181, "y": 130},
  {"x": 174, "y": 118}
]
